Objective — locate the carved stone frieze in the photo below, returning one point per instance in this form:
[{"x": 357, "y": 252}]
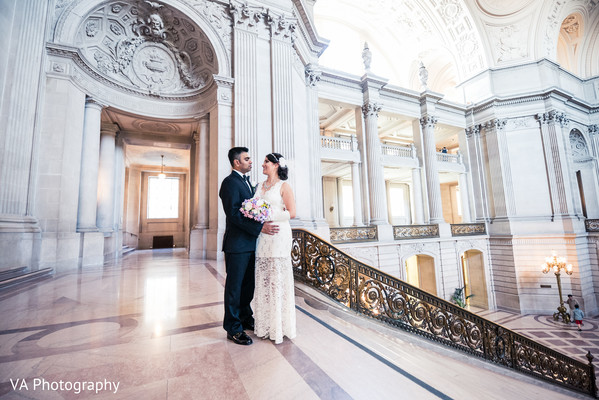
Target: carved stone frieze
[
  {"x": 468, "y": 229},
  {"x": 509, "y": 42},
  {"x": 592, "y": 225},
  {"x": 401, "y": 232},
  {"x": 354, "y": 234},
  {"x": 147, "y": 46}
]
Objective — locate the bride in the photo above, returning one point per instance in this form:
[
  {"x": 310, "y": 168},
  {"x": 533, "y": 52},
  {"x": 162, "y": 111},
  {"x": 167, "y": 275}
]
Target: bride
[{"x": 274, "y": 299}]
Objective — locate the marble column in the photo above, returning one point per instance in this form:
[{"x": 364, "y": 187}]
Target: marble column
[
  {"x": 479, "y": 177},
  {"x": 559, "y": 192},
  {"x": 340, "y": 202},
  {"x": 282, "y": 58},
  {"x": 433, "y": 185},
  {"x": 106, "y": 171},
  {"x": 313, "y": 75},
  {"x": 376, "y": 179},
  {"x": 417, "y": 195},
  {"x": 356, "y": 193},
  {"x": 90, "y": 158},
  {"x": 463, "y": 185},
  {"x": 594, "y": 135},
  {"x": 202, "y": 165},
  {"x": 499, "y": 168}
]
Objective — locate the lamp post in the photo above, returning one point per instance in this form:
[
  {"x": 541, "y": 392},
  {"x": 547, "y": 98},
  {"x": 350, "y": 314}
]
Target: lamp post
[{"x": 556, "y": 264}]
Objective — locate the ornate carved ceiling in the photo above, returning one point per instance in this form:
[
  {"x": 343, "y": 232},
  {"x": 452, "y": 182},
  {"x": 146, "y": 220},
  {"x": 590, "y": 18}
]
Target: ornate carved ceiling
[{"x": 147, "y": 46}]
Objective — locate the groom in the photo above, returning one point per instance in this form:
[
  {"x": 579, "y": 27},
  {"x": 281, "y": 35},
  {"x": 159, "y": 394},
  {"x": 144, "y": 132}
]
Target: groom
[{"x": 239, "y": 245}]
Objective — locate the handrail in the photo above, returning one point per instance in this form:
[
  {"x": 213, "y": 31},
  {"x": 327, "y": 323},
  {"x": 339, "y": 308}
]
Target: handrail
[{"x": 378, "y": 295}]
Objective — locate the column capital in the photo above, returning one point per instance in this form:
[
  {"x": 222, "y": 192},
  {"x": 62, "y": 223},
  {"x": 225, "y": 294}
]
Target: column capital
[
  {"x": 473, "y": 131},
  {"x": 428, "y": 121},
  {"x": 552, "y": 117},
  {"x": 196, "y": 137},
  {"x": 245, "y": 15},
  {"x": 109, "y": 128},
  {"x": 313, "y": 74},
  {"x": 496, "y": 124},
  {"x": 593, "y": 130},
  {"x": 371, "y": 109},
  {"x": 92, "y": 102},
  {"x": 281, "y": 27}
]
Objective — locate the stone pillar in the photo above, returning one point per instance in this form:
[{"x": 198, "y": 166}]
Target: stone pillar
[
  {"x": 433, "y": 185},
  {"x": 340, "y": 201},
  {"x": 119, "y": 195},
  {"x": 479, "y": 177},
  {"x": 376, "y": 179},
  {"x": 356, "y": 193},
  {"x": 202, "y": 165},
  {"x": 417, "y": 195},
  {"x": 463, "y": 184},
  {"x": 555, "y": 162},
  {"x": 90, "y": 157},
  {"x": 364, "y": 194},
  {"x": 499, "y": 168},
  {"x": 282, "y": 58},
  {"x": 313, "y": 75},
  {"x": 105, "y": 213},
  {"x": 594, "y": 135}
]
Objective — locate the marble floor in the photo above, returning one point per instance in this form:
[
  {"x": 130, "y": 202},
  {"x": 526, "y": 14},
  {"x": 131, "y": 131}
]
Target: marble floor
[{"x": 148, "y": 326}]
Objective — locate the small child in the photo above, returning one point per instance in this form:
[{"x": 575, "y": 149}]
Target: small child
[{"x": 578, "y": 315}]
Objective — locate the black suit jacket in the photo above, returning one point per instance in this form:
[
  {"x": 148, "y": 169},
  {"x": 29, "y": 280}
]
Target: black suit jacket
[{"x": 240, "y": 232}]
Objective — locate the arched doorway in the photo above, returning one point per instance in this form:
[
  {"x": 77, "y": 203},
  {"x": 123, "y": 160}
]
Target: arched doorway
[
  {"x": 420, "y": 272},
  {"x": 475, "y": 283}
]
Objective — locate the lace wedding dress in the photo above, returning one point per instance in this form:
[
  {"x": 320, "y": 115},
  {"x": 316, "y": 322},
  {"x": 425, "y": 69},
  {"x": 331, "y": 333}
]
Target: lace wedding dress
[{"x": 274, "y": 298}]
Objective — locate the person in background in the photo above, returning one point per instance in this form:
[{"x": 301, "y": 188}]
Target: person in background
[
  {"x": 578, "y": 316},
  {"x": 571, "y": 303}
]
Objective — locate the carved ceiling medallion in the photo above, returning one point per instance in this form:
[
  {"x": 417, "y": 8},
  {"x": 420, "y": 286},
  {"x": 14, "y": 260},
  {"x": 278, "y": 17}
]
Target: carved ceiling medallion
[{"x": 147, "y": 46}]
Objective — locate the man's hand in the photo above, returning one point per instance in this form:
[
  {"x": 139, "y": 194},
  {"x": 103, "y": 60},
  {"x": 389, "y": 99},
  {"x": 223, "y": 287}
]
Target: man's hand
[{"x": 269, "y": 228}]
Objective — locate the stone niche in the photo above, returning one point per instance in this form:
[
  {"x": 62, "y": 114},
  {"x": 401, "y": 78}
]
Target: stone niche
[{"x": 147, "y": 47}]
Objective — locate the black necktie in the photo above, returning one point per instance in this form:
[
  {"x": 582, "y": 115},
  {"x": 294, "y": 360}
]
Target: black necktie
[{"x": 247, "y": 180}]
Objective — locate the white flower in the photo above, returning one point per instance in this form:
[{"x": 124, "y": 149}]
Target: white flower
[
  {"x": 282, "y": 162},
  {"x": 248, "y": 206}
]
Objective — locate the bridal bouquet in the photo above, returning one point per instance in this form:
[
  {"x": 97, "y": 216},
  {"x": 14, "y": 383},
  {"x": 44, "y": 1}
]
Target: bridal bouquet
[{"x": 256, "y": 208}]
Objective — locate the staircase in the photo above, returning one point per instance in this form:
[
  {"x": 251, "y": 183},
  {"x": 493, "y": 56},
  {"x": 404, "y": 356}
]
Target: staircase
[{"x": 375, "y": 294}]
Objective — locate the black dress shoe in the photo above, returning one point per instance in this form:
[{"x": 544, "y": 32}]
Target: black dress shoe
[
  {"x": 248, "y": 326},
  {"x": 240, "y": 338}
]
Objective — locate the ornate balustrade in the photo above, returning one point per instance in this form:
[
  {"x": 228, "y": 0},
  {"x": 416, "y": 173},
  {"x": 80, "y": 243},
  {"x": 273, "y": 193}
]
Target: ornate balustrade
[
  {"x": 592, "y": 225},
  {"x": 336, "y": 143},
  {"x": 401, "y": 232},
  {"x": 468, "y": 229},
  {"x": 377, "y": 295},
  {"x": 450, "y": 158},
  {"x": 354, "y": 234},
  {"x": 398, "y": 151}
]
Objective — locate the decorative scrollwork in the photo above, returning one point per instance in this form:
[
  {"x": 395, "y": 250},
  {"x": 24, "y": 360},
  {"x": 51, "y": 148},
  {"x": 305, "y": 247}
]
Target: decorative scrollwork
[
  {"x": 353, "y": 234},
  {"x": 415, "y": 231},
  {"x": 592, "y": 225},
  {"x": 378, "y": 295},
  {"x": 468, "y": 229}
]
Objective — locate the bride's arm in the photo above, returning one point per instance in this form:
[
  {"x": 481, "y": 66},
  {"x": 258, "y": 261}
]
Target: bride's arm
[{"x": 288, "y": 199}]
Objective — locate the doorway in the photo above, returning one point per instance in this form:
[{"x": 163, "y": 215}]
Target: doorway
[
  {"x": 475, "y": 284},
  {"x": 420, "y": 272}
]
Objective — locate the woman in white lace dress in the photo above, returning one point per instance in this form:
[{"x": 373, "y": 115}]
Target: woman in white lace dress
[{"x": 274, "y": 298}]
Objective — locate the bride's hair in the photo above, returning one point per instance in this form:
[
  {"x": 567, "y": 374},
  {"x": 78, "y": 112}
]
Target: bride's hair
[{"x": 282, "y": 171}]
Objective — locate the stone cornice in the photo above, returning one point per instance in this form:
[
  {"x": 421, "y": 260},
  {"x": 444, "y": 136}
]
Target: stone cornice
[{"x": 306, "y": 28}]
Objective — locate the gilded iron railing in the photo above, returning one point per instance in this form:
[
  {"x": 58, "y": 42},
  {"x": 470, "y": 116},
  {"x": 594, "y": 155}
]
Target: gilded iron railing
[
  {"x": 592, "y": 225},
  {"x": 415, "y": 231},
  {"x": 354, "y": 234},
  {"x": 377, "y": 295},
  {"x": 468, "y": 229}
]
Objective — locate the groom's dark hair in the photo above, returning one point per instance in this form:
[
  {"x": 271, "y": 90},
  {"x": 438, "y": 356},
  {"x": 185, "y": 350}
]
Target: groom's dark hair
[{"x": 235, "y": 152}]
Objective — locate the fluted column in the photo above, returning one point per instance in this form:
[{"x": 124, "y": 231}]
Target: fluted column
[
  {"x": 477, "y": 167},
  {"x": 499, "y": 168},
  {"x": 463, "y": 184},
  {"x": 313, "y": 75},
  {"x": 433, "y": 184},
  {"x": 282, "y": 53},
  {"x": 105, "y": 215},
  {"x": 376, "y": 178},
  {"x": 200, "y": 184},
  {"x": 594, "y": 134},
  {"x": 560, "y": 193},
  {"x": 247, "y": 25},
  {"x": 340, "y": 202},
  {"x": 90, "y": 157},
  {"x": 417, "y": 196},
  {"x": 356, "y": 193}
]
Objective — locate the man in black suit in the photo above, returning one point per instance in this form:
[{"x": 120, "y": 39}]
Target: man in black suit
[{"x": 239, "y": 245}]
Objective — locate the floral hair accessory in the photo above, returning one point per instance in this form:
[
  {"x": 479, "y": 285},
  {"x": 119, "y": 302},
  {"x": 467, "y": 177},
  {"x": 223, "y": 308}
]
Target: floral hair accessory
[{"x": 282, "y": 162}]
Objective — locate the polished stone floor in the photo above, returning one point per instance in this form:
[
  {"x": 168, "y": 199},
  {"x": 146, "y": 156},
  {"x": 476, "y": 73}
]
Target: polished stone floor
[{"x": 149, "y": 327}]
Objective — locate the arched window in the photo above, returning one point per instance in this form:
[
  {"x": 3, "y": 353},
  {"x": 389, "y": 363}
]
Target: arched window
[{"x": 578, "y": 145}]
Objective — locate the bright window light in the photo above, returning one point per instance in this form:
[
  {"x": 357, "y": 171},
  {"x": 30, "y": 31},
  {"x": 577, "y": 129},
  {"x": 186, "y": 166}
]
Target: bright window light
[
  {"x": 348, "y": 201},
  {"x": 163, "y": 197},
  {"x": 398, "y": 207}
]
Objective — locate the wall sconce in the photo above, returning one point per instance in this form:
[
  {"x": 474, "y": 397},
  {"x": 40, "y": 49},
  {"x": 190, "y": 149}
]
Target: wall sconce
[{"x": 162, "y": 175}]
